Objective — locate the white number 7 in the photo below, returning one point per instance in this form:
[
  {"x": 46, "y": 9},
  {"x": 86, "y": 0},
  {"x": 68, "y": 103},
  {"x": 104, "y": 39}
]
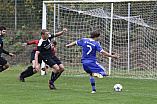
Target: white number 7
[{"x": 89, "y": 49}]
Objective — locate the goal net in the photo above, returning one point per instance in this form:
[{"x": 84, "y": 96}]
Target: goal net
[{"x": 129, "y": 29}]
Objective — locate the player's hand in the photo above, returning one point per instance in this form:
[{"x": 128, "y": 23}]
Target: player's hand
[
  {"x": 116, "y": 56},
  {"x": 24, "y": 44},
  {"x": 64, "y": 30},
  {"x": 35, "y": 70},
  {"x": 12, "y": 55},
  {"x": 67, "y": 46},
  {"x": 37, "y": 67}
]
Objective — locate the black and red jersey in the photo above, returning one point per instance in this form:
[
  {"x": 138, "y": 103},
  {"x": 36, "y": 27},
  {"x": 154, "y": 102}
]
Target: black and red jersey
[
  {"x": 36, "y": 42},
  {"x": 33, "y": 42}
]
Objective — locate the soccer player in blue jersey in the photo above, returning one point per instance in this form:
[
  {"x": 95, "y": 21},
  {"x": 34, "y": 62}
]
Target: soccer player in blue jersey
[
  {"x": 3, "y": 63},
  {"x": 89, "y": 61}
]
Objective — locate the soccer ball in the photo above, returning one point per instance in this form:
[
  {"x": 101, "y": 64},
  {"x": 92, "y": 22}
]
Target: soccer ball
[{"x": 118, "y": 87}]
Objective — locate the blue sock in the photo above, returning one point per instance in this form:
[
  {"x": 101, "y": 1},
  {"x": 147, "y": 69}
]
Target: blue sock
[
  {"x": 103, "y": 73},
  {"x": 92, "y": 81}
]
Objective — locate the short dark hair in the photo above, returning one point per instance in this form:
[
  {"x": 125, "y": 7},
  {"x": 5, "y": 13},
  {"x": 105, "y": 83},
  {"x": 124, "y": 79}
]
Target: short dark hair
[
  {"x": 43, "y": 31},
  {"x": 94, "y": 34},
  {"x": 2, "y": 28},
  {"x": 54, "y": 42}
]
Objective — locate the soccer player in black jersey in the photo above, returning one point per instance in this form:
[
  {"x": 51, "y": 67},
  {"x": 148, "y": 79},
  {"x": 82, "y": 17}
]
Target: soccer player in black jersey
[
  {"x": 3, "y": 63},
  {"x": 44, "y": 49},
  {"x": 31, "y": 69}
]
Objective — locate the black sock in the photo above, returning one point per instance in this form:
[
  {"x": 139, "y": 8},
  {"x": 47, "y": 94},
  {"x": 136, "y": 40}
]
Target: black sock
[
  {"x": 57, "y": 75},
  {"x": 53, "y": 76},
  {"x": 25, "y": 72},
  {"x": 1, "y": 68},
  {"x": 28, "y": 72}
]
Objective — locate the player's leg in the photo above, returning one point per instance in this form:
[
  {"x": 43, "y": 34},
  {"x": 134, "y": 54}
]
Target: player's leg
[
  {"x": 92, "y": 81},
  {"x": 4, "y": 64},
  {"x": 30, "y": 70},
  {"x": 53, "y": 77},
  {"x": 4, "y": 67},
  {"x": 49, "y": 61},
  {"x": 26, "y": 73},
  {"x": 88, "y": 68},
  {"x": 61, "y": 69},
  {"x": 101, "y": 74},
  {"x": 100, "y": 71},
  {"x": 105, "y": 73},
  {"x": 43, "y": 68}
]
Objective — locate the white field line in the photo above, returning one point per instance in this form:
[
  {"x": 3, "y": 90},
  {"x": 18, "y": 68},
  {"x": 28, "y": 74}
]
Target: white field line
[{"x": 126, "y": 93}]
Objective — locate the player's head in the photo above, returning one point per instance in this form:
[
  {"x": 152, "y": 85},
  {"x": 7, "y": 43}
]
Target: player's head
[
  {"x": 95, "y": 34},
  {"x": 53, "y": 44},
  {"x": 2, "y": 30},
  {"x": 44, "y": 34}
]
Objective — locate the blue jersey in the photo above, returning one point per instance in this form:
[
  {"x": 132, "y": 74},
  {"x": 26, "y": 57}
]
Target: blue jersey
[{"x": 89, "y": 49}]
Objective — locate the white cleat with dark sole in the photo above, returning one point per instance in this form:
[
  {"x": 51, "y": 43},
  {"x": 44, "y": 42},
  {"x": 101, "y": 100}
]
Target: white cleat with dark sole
[
  {"x": 93, "y": 92},
  {"x": 97, "y": 75}
]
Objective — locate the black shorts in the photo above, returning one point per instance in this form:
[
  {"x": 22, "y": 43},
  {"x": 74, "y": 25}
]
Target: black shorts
[
  {"x": 2, "y": 61},
  {"x": 52, "y": 61},
  {"x": 39, "y": 59},
  {"x": 33, "y": 57}
]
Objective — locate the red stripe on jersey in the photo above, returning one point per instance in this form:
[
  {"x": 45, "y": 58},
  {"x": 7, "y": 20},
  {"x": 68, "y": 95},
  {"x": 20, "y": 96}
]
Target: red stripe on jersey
[
  {"x": 53, "y": 51},
  {"x": 34, "y": 42}
]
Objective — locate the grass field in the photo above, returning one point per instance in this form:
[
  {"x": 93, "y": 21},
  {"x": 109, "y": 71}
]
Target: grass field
[{"x": 74, "y": 90}]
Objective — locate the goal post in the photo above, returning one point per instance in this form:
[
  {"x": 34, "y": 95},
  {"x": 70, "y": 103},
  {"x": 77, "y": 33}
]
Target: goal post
[{"x": 127, "y": 28}]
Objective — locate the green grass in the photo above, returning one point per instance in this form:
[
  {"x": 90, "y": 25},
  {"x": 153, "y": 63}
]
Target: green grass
[{"x": 74, "y": 90}]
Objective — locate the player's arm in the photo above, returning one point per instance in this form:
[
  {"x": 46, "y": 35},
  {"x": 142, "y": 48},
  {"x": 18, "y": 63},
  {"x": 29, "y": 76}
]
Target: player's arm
[
  {"x": 37, "y": 66},
  {"x": 29, "y": 43},
  {"x": 71, "y": 44},
  {"x": 0, "y": 42},
  {"x": 7, "y": 53},
  {"x": 109, "y": 55},
  {"x": 61, "y": 32},
  {"x": 12, "y": 55},
  {"x": 4, "y": 51}
]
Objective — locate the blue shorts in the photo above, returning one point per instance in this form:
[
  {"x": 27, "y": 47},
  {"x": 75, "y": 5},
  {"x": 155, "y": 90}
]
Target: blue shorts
[{"x": 93, "y": 67}]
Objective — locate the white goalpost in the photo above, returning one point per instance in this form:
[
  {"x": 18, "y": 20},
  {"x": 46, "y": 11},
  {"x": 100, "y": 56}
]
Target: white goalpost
[{"x": 128, "y": 27}]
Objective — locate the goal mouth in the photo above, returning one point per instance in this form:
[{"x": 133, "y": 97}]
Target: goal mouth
[{"x": 127, "y": 28}]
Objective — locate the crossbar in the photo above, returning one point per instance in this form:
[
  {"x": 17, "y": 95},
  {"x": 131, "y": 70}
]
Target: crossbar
[{"x": 96, "y": 1}]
